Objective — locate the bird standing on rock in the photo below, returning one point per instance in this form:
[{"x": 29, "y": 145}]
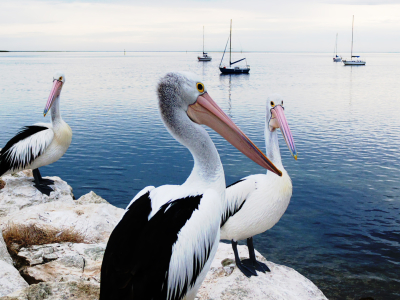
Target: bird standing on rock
[
  {"x": 163, "y": 246},
  {"x": 257, "y": 202},
  {"x": 40, "y": 144}
]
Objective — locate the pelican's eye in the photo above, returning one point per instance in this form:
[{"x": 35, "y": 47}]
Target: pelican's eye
[
  {"x": 272, "y": 103},
  {"x": 60, "y": 78},
  {"x": 200, "y": 87},
  {"x": 282, "y": 103}
]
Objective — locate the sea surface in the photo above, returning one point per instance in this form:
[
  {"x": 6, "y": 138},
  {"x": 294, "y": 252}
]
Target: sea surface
[{"x": 342, "y": 227}]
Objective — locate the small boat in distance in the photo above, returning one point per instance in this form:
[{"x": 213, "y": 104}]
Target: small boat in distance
[
  {"x": 353, "y": 62},
  {"x": 205, "y": 57},
  {"x": 229, "y": 69},
  {"x": 336, "y": 58}
]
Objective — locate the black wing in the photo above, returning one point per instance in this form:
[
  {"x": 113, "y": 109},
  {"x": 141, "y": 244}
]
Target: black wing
[
  {"x": 7, "y": 161},
  {"x": 230, "y": 211},
  {"x": 138, "y": 253}
]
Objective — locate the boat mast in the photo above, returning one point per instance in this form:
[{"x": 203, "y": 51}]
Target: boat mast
[
  {"x": 230, "y": 45},
  {"x": 336, "y": 44},
  {"x": 352, "y": 29},
  {"x": 203, "y": 40}
]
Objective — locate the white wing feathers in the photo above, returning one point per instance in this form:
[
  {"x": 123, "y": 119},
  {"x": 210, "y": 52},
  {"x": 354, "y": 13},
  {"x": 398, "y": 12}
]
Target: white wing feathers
[{"x": 25, "y": 151}]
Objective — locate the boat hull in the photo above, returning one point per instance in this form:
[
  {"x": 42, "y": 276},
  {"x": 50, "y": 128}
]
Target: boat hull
[
  {"x": 234, "y": 70},
  {"x": 354, "y": 63},
  {"x": 337, "y": 59},
  {"x": 204, "y": 58}
]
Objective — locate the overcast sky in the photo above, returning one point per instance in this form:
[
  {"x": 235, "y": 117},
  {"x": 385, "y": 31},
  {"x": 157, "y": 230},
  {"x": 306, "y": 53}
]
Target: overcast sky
[{"x": 176, "y": 25}]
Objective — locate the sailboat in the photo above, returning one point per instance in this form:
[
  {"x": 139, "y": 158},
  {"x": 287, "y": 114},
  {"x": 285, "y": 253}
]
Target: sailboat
[
  {"x": 205, "y": 57},
  {"x": 336, "y": 58},
  {"x": 229, "y": 69},
  {"x": 351, "y": 62}
]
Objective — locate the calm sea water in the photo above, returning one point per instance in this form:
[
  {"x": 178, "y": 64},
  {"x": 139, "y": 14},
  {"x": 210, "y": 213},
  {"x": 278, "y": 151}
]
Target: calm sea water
[{"x": 342, "y": 227}]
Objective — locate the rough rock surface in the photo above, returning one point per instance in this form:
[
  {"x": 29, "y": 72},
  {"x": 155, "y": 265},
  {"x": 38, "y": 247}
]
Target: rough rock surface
[
  {"x": 57, "y": 291},
  {"x": 10, "y": 279},
  {"x": 94, "y": 221},
  {"x": 4, "y": 255},
  {"x": 63, "y": 262},
  {"x": 225, "y": 281},
  {"x": 19, "y": 192}
]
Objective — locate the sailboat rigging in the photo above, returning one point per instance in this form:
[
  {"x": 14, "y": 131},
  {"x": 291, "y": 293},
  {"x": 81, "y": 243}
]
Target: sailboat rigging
[
  {"x": 351, "y": 62},
  {"x": 205, "y": 56},
  {"x": 229, "y": 69},
  {"x": 336, "y": 58}
]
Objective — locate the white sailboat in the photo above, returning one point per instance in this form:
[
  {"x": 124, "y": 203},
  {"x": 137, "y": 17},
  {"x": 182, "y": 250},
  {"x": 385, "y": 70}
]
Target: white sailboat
[
  {"x": 336, "y": 58},
  {"x": 205, "y": 56},
  {"x": 356, "y": 61}
]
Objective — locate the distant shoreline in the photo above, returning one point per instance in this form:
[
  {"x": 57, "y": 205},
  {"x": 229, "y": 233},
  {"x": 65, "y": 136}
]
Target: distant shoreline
[{"x": 189, "y": 51}]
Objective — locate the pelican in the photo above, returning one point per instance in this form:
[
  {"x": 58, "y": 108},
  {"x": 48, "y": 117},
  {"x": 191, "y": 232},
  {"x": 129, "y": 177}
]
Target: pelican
[
  {"x": 255, "y": 203},
  {"x": 164, "y": 244},
  {"x": 40, "y": 144}
]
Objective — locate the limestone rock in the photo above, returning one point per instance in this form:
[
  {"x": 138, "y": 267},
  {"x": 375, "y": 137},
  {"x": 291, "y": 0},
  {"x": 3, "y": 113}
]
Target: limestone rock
[
  {"x": 91, "y": 197},
  {"x": 10, "y": 279},
  {"x": 63, "y": 262},
  {"x": 19, "y": 192},
  {"x": 94, "y": 221},
  {"x": 225, "y": 281},
  {"x": 57, "y": 291},
  {"x": 4, "y": 255}
]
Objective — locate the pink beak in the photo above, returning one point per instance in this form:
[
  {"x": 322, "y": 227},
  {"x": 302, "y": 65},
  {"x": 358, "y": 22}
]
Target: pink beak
[
  {"x": 278, "y": 113},
  {"x": 206, "y": 111},
  {"x": 55, "y": 92}
]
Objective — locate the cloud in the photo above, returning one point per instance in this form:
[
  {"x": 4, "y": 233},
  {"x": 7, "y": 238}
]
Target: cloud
[{"x": 177, "y": 25}]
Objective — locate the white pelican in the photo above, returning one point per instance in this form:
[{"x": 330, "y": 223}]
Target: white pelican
[
  {"x": 257, "y": 202},
  {"x": 40, "y": 144},
  {"x": 163, "y": 246}
]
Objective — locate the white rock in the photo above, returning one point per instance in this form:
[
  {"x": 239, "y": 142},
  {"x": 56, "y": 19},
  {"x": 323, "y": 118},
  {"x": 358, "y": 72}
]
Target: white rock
[
  {"x": 10, "y": 279},
  {"x": 63, "y": 262},
  {"x": 19, "y": 192},
  {"x": 57, "y": 291},
  {"x": 225, "y": 281},
  {"x": 95, "y": 221},
  {"x": 4, "y": 255}
]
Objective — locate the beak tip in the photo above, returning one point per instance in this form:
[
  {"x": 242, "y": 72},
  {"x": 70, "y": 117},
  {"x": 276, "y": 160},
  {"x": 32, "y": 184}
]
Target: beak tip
[{"x": 295, "y": 157}]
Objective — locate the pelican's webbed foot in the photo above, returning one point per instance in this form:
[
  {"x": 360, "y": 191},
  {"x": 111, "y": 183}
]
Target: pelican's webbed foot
[
  {"x": 42, "y": 184},
  {"x": 252, "y": 261},
  {"x": 44, "y": 189},
  {"x": 248, "y": 271}
]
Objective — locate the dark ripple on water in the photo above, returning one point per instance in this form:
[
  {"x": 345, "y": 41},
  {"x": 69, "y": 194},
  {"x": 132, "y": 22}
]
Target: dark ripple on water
[{"x": 342, "y": 227}]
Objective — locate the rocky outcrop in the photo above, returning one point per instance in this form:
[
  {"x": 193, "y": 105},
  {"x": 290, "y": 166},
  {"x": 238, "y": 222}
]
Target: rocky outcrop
[
  {"x": 90, "y": 215},
  {"x": 10, "y": 279},
  {"x": 57, "y": 291},
  {"x": 224, "y": 281},
  {"x": 72, "y": 270},
  {"x": 4, "y": 255},
  {"x": 19, "y": 192},
  {"x": 62, "y": 262}
]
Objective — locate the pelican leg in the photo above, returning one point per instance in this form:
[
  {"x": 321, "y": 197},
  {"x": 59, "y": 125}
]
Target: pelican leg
[
  {"x": 252, "y": 261},
  {"x": 42, "y": 184},
  {"x": 41, "y": 180},
  {"x": 248, "y": 271}
]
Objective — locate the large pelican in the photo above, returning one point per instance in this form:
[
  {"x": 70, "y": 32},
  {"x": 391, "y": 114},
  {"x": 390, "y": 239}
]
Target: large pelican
[
  {"x": 257, "y": 202},
  {"x": 40, "y": 144},
  {"x": 163, "y": 246}
]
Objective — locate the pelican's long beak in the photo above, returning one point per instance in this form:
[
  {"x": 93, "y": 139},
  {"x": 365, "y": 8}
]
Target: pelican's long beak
[
  {"x": 55, "y": 92},
  {"x": 278, "y": 113},
  {"x": 206, "y": 111}
]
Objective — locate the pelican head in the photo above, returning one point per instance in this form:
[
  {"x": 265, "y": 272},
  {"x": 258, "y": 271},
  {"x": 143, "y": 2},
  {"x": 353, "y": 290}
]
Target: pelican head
[
  {"x": 276, "y": 119},
  {"x": 185, "y": 95},
  {"x": 58, "y": 82}
]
